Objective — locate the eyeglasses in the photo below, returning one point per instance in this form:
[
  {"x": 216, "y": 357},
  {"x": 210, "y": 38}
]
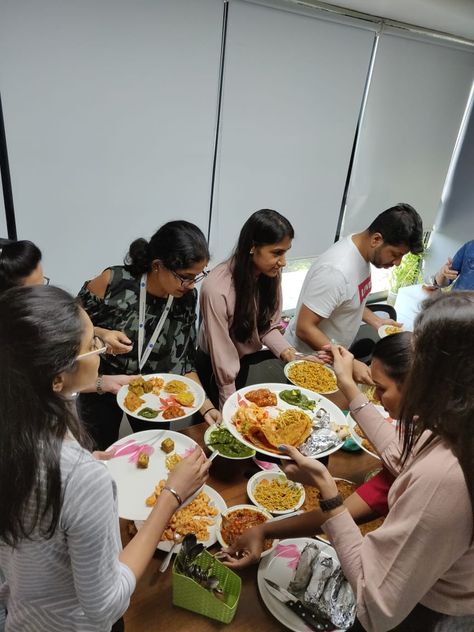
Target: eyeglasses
[
  {"x": 46, "y": 280},
  {"x": 185, "y": 282},
  {"x": 99, "y": 348}
]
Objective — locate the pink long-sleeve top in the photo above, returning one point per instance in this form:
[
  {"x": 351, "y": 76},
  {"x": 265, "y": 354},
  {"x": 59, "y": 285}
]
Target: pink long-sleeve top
[
  {"x": 217, "y": 305},
  {"x": 423, "y": 551}
]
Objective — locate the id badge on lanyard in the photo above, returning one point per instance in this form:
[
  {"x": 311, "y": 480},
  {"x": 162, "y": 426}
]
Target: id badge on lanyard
[{"x": 143, "y": 355}]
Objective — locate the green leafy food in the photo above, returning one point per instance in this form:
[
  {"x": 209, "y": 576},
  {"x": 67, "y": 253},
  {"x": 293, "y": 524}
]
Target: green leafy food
[
  {"x": 148, "y": 413},
  {"x": 295, "y": 397},
  {"x": 227, "y": 445}
]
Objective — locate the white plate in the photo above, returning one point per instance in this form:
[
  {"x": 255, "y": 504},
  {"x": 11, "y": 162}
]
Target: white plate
[
  {"x": 382, "y": 331},
  {"x": 351, "y": 421},
  {"x": 232, "y": 404},
  {"x": 207, "y": 439},
  {"x": 290, "y": 364},
  {"x": 134, "y": 485},
  {"x": 218, "y": 502},
  {"x": 269, "y": 476},
  {"x": 280, "y": 567},
  {"x": 234, "y": 508},
  {"x": 153, "y": 401}
]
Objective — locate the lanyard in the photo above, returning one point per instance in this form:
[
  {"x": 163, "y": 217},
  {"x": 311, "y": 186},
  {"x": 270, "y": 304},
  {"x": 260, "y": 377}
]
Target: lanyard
[{"x": 143, "y": 357}]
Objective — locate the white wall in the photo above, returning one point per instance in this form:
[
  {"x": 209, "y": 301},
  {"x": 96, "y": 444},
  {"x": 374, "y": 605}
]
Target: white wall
[{"x": 110, "y": 111}]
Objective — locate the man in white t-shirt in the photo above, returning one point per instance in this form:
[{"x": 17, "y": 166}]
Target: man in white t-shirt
[{"x": 332, "y": 301}]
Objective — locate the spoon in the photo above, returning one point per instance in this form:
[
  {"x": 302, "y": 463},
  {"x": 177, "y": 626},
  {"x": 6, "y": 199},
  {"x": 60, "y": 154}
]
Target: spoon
[{"x": 177, "y": 539}]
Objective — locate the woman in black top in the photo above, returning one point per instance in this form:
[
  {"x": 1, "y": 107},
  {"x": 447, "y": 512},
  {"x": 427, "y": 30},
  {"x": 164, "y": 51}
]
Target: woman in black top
[{"x": 169, "y": 266}]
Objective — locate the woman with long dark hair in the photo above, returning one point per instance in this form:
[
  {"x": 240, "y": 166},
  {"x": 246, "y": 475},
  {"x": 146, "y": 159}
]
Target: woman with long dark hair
[
  {"x": 240, "y": 304},
  {"x": 391, "y": 363},
  {"x": 416, "y": 571},
  {"x": 153, "y": 292},
  {"x": 60, "y": 548}
]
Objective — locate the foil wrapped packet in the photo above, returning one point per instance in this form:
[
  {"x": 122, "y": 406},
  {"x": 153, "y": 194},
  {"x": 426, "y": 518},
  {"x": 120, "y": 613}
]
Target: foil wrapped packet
[
  {"x": 320, "y": 584},
  {"x": 322, "y": 437}
]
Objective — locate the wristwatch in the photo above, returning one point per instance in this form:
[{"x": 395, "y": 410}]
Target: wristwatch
[
  {"x": 330, "y": 503},
  {"x": 98, "y": 385}
]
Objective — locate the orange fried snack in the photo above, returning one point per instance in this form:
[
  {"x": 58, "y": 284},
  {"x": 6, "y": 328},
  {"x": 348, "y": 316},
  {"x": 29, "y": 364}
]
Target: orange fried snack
[
  {"x": 173, "y": 411},
  {"x": 132, "y": 401},
  {"x": 262, "y": 397}
]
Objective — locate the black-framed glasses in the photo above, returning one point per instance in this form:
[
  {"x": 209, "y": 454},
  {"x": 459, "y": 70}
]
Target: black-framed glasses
[
  {"x": 186, "y": 282},
  {"x": 99, "y": 348},
  {"x": 46, "y": 280}
]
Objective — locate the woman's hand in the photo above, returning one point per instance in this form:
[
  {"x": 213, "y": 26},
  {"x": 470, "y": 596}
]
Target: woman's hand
[
  {"x": 288, "y": 355},
  {"x": 213, "y": 417},
  {"x": 100, "y": 455},
  {"x": 246, "y": 550},
  {"x": 117, "y": 342},
  {"x": 361, "y": 373},
  {"x": 190, "y": 474},
  {"x": 113, "y": 383},
  {"x": 308, "y": 471}
]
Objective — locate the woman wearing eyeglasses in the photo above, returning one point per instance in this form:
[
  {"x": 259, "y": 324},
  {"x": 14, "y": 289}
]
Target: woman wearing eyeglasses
[
  {"x": 154, "y": 293},
  {"x": 60, "y": 548},
  {"x": 240, "y": 305}
]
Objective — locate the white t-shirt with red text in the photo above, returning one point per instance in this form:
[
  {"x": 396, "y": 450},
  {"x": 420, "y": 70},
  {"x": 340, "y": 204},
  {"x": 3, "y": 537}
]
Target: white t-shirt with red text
[{"x": 336, "y": 288}]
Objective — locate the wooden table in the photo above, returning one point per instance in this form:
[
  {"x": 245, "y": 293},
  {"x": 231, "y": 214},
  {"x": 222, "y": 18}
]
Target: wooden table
[{"x": 151, "y": 608}]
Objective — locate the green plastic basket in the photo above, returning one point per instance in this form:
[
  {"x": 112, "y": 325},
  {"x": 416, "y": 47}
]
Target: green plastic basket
[{"x": 190, "y": 595}]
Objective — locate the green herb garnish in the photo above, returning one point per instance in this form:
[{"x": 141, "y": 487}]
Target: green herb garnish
[
  {"x": 148, "y": 413},
  {"x": 295, "y": 397},
  {"x": 227, "y": 445}
]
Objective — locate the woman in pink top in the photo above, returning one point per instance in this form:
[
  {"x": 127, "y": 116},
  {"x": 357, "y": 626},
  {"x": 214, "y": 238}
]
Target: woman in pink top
[{"x": 240, "y": 304}]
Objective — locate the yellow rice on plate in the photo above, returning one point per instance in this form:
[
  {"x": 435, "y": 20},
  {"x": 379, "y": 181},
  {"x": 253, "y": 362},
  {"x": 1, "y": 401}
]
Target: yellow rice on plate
[{"x": 313, "y": 376}]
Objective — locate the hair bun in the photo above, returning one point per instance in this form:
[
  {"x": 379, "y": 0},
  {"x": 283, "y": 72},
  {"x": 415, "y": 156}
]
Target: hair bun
[{"x": 137, "y": 258}]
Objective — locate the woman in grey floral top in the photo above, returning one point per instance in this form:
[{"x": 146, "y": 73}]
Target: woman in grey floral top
[{"x": 172, "y": 263}]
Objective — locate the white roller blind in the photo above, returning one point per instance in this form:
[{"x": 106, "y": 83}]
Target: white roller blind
[
  {"x": 110, "y": 114},
  {"x": 293, "y": 86},
  {"x": 417, "y": 96}
]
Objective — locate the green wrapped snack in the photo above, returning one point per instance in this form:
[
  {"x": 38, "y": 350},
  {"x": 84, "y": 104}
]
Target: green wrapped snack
[
  {"x": 295, "y": 397},
  {"x": 148, "y": 413}
]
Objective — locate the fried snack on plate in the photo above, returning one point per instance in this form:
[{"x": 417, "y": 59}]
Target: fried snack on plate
[
  {"x": 137, "y": 386},
  {"x": 185, "y": 399},
  {"x": 132, "y": 401},
  {"x": 176, "y": 386},
  {"x": 290, "y": 427},
  {"x": 392, "y": 330},
  {"x": 167, "y": 445},
  {"x": 173, "y": 411},
  {"x": 143, "y": 460},
  {"x": 172, "y": 461},
  {"x": 154, "y": 385},
  {"x": 261, "y": 397}
]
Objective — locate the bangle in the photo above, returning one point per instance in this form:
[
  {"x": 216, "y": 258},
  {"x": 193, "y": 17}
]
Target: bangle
[
  {"x": 329, "y": 504},
  {"x": 356, "y": 410},
  {"x": 175, "y": 494},
  {"x": 98, "y": 385},
  {"x": 208, "y": 410}
]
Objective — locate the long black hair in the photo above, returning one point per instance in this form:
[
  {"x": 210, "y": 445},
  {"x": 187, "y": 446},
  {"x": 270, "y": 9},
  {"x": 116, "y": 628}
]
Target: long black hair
[
  {"x": 18, "y": 259},
  {"x": 263, "y": 228},
  {"x": 177, "y": 245},
  {"x": 40, "y": 336},
  {"x": 395, "y": 353},
  {"x": 439, "y": 391}
]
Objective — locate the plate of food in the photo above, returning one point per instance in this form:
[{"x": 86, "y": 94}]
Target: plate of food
[
  {"x": 219, "y": 439},
  {"x": 140, "y": 462},
  {"x": 261, "y": 417},
  {"x": 161, "y": 397},
  {"x": 273, "y": 492},
  {"x": 198, "y": 517},
  {"x": 235, "y": 520},
  {"x": 280, "y": 567},
  {"x": 388, "y": 330},
  {"x": 312, "y": 376},
  {"x": 359, "y": 436}
]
